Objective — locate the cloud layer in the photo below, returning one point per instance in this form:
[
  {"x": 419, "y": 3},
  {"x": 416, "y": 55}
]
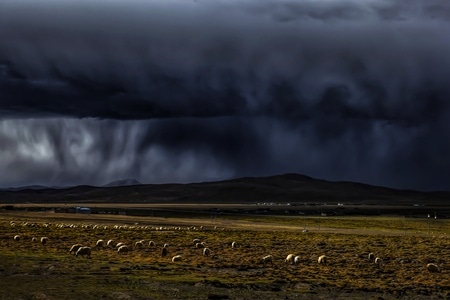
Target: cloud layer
[{"x": 163, "y": 91}]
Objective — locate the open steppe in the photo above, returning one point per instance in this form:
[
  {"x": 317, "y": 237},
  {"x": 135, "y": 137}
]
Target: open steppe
[{"x": 31, "y": 270}]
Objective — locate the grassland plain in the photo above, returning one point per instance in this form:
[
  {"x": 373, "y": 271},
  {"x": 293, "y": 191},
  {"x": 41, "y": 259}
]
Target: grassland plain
[{"x": 31, "y": 270}]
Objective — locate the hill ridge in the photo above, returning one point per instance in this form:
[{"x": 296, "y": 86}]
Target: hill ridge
[{"x": 285, "y": 188}]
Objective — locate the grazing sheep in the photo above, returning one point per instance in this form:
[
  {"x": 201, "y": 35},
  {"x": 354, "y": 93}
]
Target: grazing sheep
[
  {"x": 433, "y": 268},
  {"x": 151, "y": 244},
  {"x": 84, "y": 251},
  {"x": 110, "y": 243},
  {"x": 296, "y": 260},
  {"x": 75, "y": 248},
  {"x": 164, "y": 252},
  {"x": 206, "y": 252},
  {"x": 139, "y": 245},
  {"x": 177, "y": 258},
  {"x": 378, "y": 261},
  {"x": 166, "y": 245},
  {"x": 100, "y": 244},
  {"x": 234, "y": 245},
  {"x": 322, "y": 260},
  {"x": 267, "y": 258},
  {"x": 118, "y": 245},
  {"x": 200, "y": 245},
  {"x": 290, "y": 259},
  {"x": 17, "y": 237},
  {"x": 44, "y": 240},
  {"x": 195, "y": 241},
  {"x": 123, "y": 249},
  {"x": 371, "y": 256},
  {"x": 34, "y": 239}
]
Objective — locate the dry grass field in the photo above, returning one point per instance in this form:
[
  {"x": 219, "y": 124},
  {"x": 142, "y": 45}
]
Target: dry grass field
[{"x": 31, "y": 270}]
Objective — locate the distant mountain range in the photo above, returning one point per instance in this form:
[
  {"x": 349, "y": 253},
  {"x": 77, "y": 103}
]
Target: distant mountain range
[
  {"x": 122, "y": 182},
  {"x": 287, "y": 188}
]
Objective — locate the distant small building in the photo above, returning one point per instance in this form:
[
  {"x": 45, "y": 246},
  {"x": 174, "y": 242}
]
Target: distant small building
[{"x": 83, "y": 210}]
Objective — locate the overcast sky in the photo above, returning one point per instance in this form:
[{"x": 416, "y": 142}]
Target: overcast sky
[{"x": 186, "y": 91}]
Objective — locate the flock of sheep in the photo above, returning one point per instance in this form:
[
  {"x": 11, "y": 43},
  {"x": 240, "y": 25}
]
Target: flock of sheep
[
  {"x": 122, "y": 248},
  {"x": 80, "y": 250}
]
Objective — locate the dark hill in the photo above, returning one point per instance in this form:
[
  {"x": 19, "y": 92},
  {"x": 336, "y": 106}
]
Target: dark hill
[{"x": 293, "y": 188}]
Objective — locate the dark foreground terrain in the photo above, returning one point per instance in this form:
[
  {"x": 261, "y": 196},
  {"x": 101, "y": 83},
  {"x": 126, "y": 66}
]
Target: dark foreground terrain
[{"x": 32, "y": 270}]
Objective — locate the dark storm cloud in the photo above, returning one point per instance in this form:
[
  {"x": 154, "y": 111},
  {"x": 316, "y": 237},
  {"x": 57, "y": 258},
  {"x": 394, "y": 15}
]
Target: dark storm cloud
[
  {"x": 137, "y": 60},
  {"x": 347, "y": 89},
  {"x": 234, "y": 141}
]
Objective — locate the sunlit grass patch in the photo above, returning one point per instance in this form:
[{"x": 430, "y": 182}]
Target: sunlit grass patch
[{"x": 29, "y": 267}]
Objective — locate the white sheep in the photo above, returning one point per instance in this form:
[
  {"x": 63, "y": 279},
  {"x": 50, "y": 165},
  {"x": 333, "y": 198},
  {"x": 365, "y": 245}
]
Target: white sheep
[
  {"x": 84, "y": 251},
  {"x": 166, "y": 245},
  {"x": 151, "y": 244},
  {"x": 296, "y": 260},
  {"x": 322, "y": 260},
  {"x": 234, "y": 245},
  {"x": 433, "y": 268},
  {"x": 44, "y": 240},
  {"x": 267, "y": 258},
  {"x": 110, "y": 243},
  {"x": 33, "y": 239},
  {"x": 118, "y": 245},
  {"x": 206, "y": 251},
  {"x": 200, "y": 245},
  {"x": 17, "y": 237},
  {"x": 138, "y": 245},
  {"x": 100, "y": 244},
  {"x": 378, "y": 261},
  {"x": 177, "y": 258},
  {"x": 123, "y": 249},
  {"x": 195, "y": 241},
  {"x": 75, "y": 248},
  {"x": 290, "y": 259},
  {"x": 371, "y": 256}
]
